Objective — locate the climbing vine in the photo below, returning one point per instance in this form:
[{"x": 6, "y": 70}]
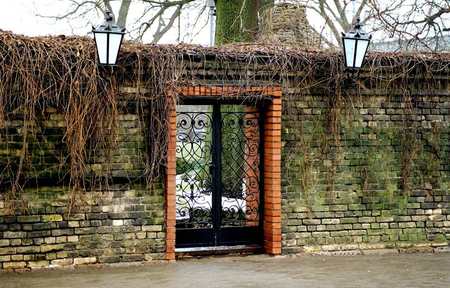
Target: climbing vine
[{"x": 61, "y": 72}]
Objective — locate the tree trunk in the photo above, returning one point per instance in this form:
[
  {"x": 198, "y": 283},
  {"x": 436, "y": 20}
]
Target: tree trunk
[
  {"x": 123, "y": 13},
  {"x": 237, "y": 20}
]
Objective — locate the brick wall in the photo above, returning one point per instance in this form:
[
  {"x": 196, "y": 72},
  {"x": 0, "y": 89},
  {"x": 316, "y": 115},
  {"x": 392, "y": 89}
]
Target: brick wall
[
  {"x": 378, "y": 175},
  {"x": 47, "y": 154},
  {"x": 113, "y": 223},
  {"x": 370, "y": 173},
  {"x": 118, "y": 225},
  {"x": 384, "y": 183}
]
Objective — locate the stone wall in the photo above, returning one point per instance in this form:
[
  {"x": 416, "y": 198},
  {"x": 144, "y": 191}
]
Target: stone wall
[
  {"x": 122, "y": 222},
  {"x": 380, "y": 180}
]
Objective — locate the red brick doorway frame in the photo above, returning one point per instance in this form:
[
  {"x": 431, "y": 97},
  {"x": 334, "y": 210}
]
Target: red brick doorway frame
[{"x": 272, "y": 160}]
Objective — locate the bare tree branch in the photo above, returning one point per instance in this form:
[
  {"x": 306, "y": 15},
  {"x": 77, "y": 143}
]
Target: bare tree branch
[
  {"x": 163, "y": 29},
  {"x": 411, "y": 22},
  {"x": 75, "y": 9}
]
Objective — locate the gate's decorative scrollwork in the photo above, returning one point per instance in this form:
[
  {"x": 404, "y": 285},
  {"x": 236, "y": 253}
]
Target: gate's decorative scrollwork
[
  {"x": 193, "y": 199},
  {"x": 240, "y": 168},
  {"x": 235, "y": 133}
]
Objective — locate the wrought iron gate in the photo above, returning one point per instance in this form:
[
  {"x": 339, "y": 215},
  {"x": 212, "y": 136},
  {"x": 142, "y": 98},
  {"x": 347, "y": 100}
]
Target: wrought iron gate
[{"x": 218, "y": 189}]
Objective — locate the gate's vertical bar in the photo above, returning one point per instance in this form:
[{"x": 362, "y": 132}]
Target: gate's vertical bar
[
  {"x": 170, "y": 181},
  {"x": 217, "y": 168},
  {"x": 272, "y": 175}
]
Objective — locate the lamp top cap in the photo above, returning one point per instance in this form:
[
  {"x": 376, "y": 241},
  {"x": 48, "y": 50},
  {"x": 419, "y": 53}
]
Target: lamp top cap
[
  {"x": 109, "y": 17},
  {"x": 358, "y": 32},
  {"x": 109, "y": 25}
]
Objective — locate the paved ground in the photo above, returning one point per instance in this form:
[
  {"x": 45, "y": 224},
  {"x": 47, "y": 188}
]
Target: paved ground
[{"x": 405, "y": 270}]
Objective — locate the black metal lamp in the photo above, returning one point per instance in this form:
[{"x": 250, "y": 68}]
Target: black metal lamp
[
  {"x": 355, "y": 43},
  {"x": 108, "y": 39}
]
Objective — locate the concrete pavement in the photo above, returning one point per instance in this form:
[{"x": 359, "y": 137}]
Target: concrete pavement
[{"x": 403, "y": 270}]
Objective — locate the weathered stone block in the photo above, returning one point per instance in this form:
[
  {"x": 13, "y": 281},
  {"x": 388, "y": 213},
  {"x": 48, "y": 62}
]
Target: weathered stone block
[
  {"x": 38, "y": 264},
  {"x": 407, "y": 225},
  {"x": 14, "y": 265},
  {"x": 62, "y": 232},
  {"x": 61, "y": 262},
  {"x": 311, "y": 221},
  {"x": 153, "y": 228},
  {"x": 5, "y": 258},
  {"x": 14, "y": 234},
  {"x": 73, "y": 224},
  {"x": 73, "y": 238},
  {"x": 51, "y": 247},
  {"x": 28, "y": 219},
  {"x": 349, "y": 220},
  {"x": 84, "y": 260},
  {"x": 28, "y": 249},
  {"x": 385, "y": 219},
  {"x": 331, "y": 221},
  {"x": 61, "y": 239},
  {"x": 37, "y": 241},
  {"x": 52, "y": 218},
  {"x": 366, "y": 219},
  {"x": 109, "y": 259},
  {"x": 39, "y": 233},
  {"x": 42, "y": 226},
  {"x": 118, "y": 222}
]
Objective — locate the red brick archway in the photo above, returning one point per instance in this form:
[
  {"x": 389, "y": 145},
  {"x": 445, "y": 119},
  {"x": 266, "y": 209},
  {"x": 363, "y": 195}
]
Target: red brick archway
[{"x": 272, "y": 162}]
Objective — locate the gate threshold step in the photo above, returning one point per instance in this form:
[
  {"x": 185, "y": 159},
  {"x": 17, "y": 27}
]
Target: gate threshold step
[{"x": 214, "y": 250}]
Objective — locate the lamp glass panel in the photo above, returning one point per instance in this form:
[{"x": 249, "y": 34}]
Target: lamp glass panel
[
  {"x": 114, "y": 45},
  {"x": 101, "y": 40},
  {"x": 361, "y": 49},
  {"x": 349, "y": 48}
]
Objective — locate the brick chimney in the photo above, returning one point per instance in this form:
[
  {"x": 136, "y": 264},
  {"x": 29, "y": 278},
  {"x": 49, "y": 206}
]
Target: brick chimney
[{"x": 286, "y": 24}]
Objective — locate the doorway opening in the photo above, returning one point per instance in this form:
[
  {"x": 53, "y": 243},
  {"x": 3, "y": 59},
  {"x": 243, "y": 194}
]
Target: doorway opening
[
  {"x": 227, "y": 191},
  {"x": 219, "y": 178}
]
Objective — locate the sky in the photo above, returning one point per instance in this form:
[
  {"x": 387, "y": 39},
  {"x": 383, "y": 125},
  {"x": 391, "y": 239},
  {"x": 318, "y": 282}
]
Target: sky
[{"x": 21, "y": 17}]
